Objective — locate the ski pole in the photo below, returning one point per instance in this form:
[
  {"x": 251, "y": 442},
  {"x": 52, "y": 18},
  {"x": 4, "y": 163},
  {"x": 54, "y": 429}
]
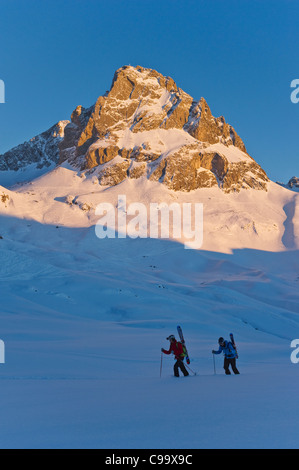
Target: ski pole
[
  {"x": 214, "y": 364},
  {"x": 161, "y": 364},
  {"x": 190, "y": 369}
]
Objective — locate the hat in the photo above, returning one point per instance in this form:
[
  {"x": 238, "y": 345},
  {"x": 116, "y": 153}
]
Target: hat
[{"x": 171, "y": 337}]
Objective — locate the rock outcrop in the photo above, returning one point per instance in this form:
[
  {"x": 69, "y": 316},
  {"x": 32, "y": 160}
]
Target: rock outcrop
[
  {"x": 41, "y": 151},
  {"x": 293, "y": 184}
]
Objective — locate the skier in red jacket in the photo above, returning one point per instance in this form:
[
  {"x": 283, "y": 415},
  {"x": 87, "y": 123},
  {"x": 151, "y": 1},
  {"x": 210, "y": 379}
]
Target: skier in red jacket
[{"x": 176, "y": 348}]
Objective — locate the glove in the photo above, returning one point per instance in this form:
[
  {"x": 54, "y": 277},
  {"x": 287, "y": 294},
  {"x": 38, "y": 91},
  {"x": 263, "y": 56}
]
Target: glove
[
  {"x": 162, "y": 350},
  {"x": 213, "y": 351}
]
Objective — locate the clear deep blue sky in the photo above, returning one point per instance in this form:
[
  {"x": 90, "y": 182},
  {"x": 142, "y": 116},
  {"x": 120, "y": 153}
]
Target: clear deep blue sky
[{"x": 240, "y": 55}]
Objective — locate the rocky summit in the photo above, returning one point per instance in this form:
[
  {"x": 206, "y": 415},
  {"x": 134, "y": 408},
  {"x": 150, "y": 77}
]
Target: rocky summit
[
  {"x": 292, "y": 184},
  {"x": 146, "y": 126}
]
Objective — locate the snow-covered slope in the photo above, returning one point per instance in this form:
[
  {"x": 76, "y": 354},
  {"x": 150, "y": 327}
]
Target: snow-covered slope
[
  {"x": 264, "y": 220},
  {"x": 83, "y": 319}
]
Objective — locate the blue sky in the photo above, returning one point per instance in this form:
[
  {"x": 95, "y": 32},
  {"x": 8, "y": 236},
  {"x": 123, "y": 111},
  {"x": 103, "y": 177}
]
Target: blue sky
[{"x": 240, "y": 55}]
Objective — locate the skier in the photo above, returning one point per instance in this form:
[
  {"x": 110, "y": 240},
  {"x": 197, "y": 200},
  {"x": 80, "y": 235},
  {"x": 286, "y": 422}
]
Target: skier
[
  {"x": 230, "y": 355},
  {"x": 177, "y": 349}
]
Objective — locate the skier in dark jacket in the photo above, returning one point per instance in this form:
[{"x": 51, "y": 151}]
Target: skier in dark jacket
[
  {"x": 176, "y": 348},
  {"x": 230, "y": 355}
]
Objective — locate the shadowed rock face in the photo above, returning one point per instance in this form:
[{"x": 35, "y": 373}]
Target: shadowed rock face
[
  {"x": 294, "y": 183},
  {"x": 146, "y": 126},
  {"x": 42, "y": 150}
]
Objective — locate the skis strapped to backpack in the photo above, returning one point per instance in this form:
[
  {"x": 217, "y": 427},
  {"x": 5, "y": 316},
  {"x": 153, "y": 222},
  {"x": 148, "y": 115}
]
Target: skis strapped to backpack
[
  {"x": 180, "y": 332},
  {"x": 233, "y": 343}
]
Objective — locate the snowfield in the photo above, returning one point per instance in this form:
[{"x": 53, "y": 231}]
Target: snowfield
[{"x": 84, "y": 320}]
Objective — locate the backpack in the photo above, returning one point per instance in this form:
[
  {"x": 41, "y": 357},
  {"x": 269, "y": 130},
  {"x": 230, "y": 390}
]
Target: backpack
[
  {"x": 231, "y": 347},
  {"x": 184, "y": 354}
]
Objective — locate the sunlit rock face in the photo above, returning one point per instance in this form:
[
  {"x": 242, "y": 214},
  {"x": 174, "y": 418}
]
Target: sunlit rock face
[{"x": 147, "y": 127}]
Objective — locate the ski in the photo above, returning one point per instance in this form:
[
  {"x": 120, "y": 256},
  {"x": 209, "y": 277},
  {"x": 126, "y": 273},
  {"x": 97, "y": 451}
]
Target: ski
[
  {"x": 180, "y": 332},
  {"x": 233, "y": 343}
]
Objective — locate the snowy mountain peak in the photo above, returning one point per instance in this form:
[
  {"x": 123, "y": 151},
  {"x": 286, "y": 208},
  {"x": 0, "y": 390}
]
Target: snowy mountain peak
[{"x": 147, "y": 127}]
